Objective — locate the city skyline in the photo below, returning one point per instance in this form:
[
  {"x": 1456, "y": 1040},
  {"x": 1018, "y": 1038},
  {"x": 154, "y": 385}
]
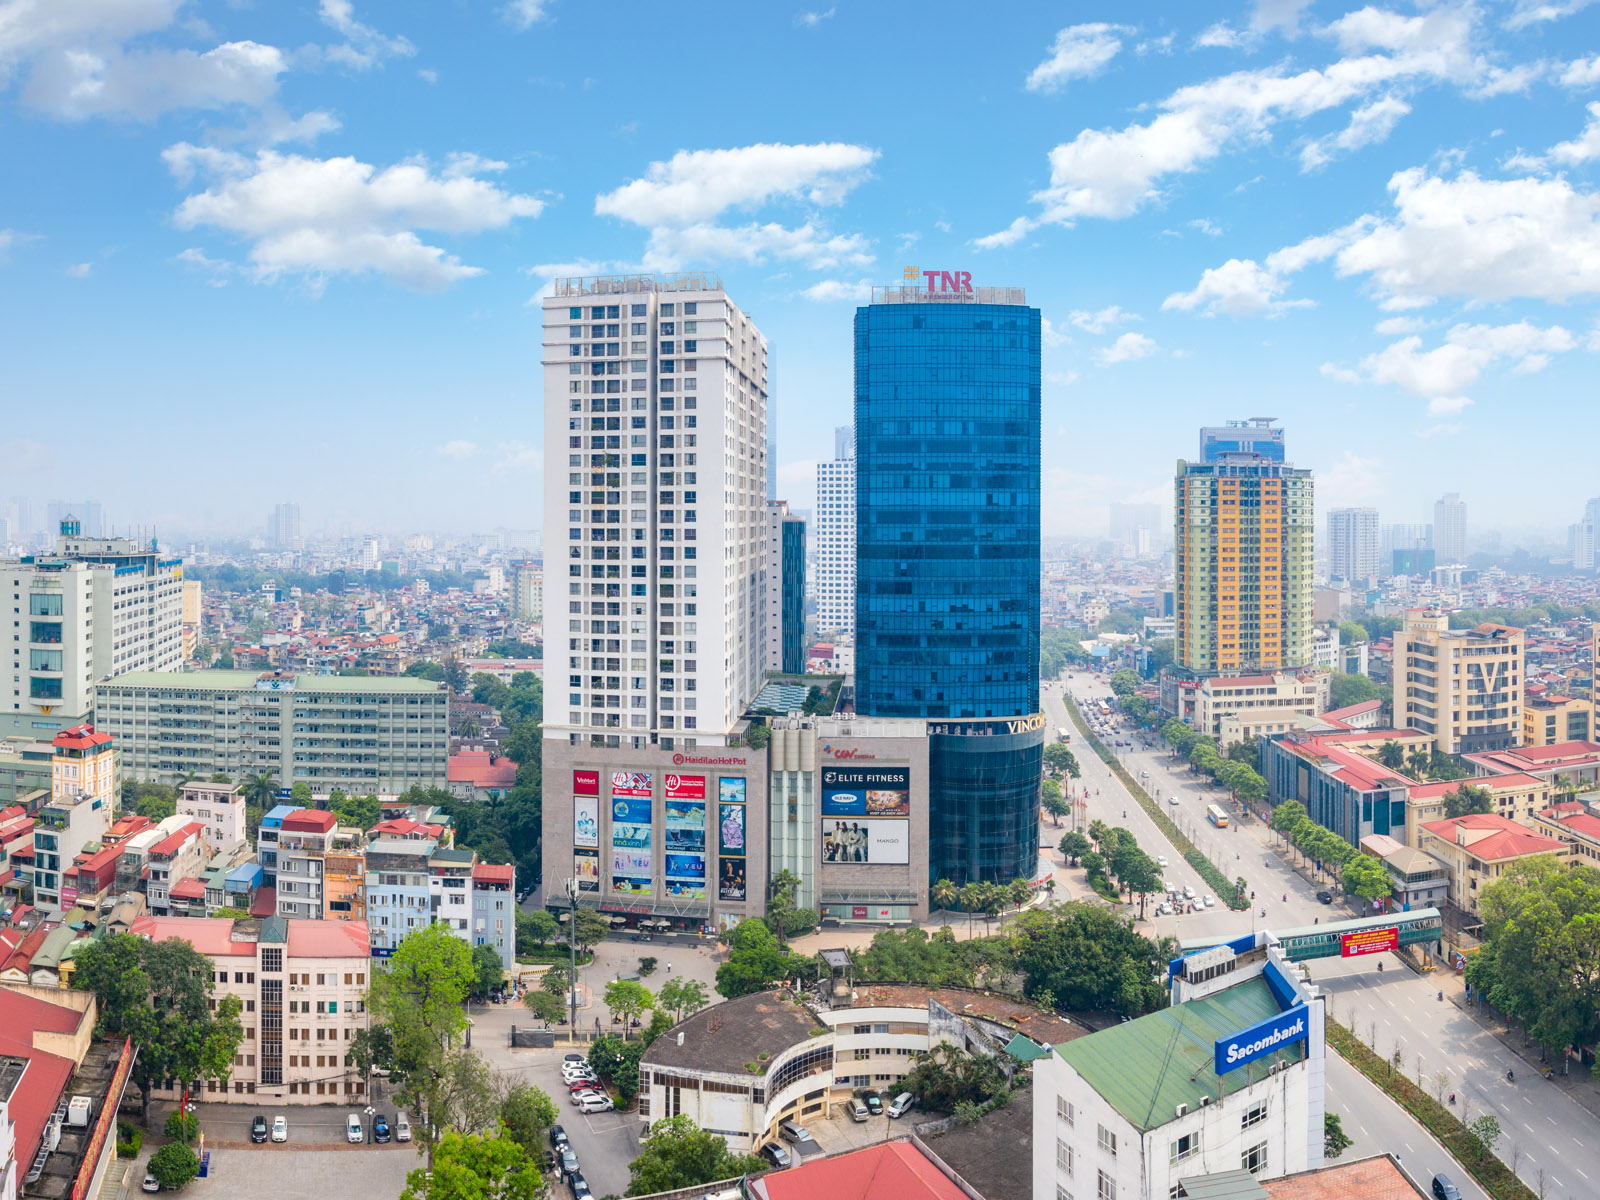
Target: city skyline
[{"x": 1254, "y": 207}]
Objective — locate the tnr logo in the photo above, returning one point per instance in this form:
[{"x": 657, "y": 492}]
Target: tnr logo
[{"x": 941, "y": 281}]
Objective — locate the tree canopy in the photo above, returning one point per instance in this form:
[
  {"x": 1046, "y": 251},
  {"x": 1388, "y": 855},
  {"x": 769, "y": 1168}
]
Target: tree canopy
[
  {"x": 1467, "y": 799},
  {"x": 473, "y": 1167},
  {"x": 1345, "y": 690},
  {"x": 755, "y": 960},
  {"x": 1086, "y": 958},
  {"x": 675, "y": 1153}
]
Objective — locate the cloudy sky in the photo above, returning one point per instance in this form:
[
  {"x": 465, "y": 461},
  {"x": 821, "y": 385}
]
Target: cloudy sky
[{"x": 253, "y": 251}]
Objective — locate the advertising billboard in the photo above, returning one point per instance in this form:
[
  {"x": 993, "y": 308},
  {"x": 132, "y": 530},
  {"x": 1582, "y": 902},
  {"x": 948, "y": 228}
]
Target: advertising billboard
[
  {"x": 631, "y": 857},
  {"x": 626, "y": 886},
  {"x": 730, "y": 879},
  {"x": 852, "y": 842},
  {"x": 866, "y": 791},
  {"x": 685, "y": 787},
  {"x": 685, "y": 826},
  {"x": 631, "y": 783},
  {"x": 586, "y": 869},
  {"x": 586, "y": 821},
  {"x": 1369, "y": 941},
  {"x": 1261, "y": 1039},
  {"x": 730, "y": 790},
  {"x": 730, "y": 830},
  {"x": 586, "y": 783}
]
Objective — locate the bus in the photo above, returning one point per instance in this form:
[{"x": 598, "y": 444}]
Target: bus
[
  {"x": 1062, "y": 735},
  {"x": 1217, "y": 816}
]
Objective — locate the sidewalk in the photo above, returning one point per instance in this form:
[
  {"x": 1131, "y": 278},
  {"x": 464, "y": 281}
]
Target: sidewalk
[{"x": 1579, "y": 1082}]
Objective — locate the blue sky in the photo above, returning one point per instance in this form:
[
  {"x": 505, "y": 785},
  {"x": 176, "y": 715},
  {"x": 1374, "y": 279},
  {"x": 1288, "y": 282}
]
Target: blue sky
[{"x": 263, "y": 251}]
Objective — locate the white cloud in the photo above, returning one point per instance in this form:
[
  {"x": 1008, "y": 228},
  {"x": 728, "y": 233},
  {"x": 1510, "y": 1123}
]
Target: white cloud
[
  {"x": 1586, "y": 146},
  {"x": 1220, "y": 36},
  {"x": 1156, "y": 45},
  {"x": 1353, "y": 478},
  {"x": 1101, "y": 320},
  {"x": 8, "y": 238},
  {"x": 365, "y": 47},
  {"x": 1501, "y": 81},
  {"x": 458, "y": 449},
  {"x": 1244, "y": 287},
  {"x": 1442, "y": 430},
  {"x": 79, "y": 270},
  {"x": 1281, "y": 15},
  {"x": 215, "y": 270},
  {"x": 1061, "y": 378},
  {"x": 427, "y": 75},
  {"x": 678, "y": 201},
  {"x": 1369, "y": 124},
  {"x": 524, "y": 14},
  {"x": 81, "y": 83},
  {"x": 1079, "y": 52},
  {"x": 1395, "y": 326},
  {"x": 316, "y": 217},
  {"x": 1009, "y": 236},
  {"x": 1050, "y": 335},
  {"x": 1443, "y": 373},
  {"x": 1532, "y": 12},
  {"x": 838, "y": 289},
  {"x": 1447, "y": 406},
  {"x": 1206, "y": 226},
  {"x": 1581, "y": 73},
  {"x": 810, "y": 20},
  {"x": 520, "y": 458},
  {"x": 1128, "y": 348},
  {"x": 1111, "y": 174}
]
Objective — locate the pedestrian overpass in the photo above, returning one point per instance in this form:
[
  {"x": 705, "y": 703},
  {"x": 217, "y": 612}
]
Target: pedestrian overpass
[{"x": 1345, "y": 939}]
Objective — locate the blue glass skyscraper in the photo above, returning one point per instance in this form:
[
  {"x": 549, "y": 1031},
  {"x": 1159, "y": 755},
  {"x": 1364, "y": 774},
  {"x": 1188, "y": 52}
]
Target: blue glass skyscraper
[{"x": 947, "y": 408}]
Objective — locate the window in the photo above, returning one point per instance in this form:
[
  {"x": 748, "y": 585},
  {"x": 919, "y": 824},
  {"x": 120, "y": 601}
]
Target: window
[
  {"x": 1062, "y": 1193},
  {"x": 1064, "y": 1109},
  {"x": 1108, "y": 1141},
  {"x": 1254, "y": 1159},
  {"x": 1063, "y": 1157},
  {"x": 1254, "y": 1116},
  {"x": 1185, "y": 1146},
  {"x": 1106, "y": 1187}
]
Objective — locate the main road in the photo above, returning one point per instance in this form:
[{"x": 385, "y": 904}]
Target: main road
[{"x": 1392, "y": 1009}]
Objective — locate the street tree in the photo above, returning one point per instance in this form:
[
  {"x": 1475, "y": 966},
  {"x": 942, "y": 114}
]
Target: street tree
[
  {"x": 1334, "y": 1139},
  {"x": 1123, "y": 682},
  {"x": 489, "y": 974},
  {"x": 1061, "y": 760},
  {"x": 536, "y": 930},
  {"x": 544, "y": 1006},
  {"x": 473, "y": 1167},
  {"x": 675, "y": 1153},
  {"x": 557, "y": 979},
  {"x": 528, "y": 1113},
  {"x": 590, "y": 928},
  {"x": 1074, "y": 846},
  {"x": 782, "y": 915},
  {"x": 1367, "y": 877},
  {"x": 628, "y": 999},
  {"x": 1055, "y": 805},
  {"x": 682, "y": 997},
  {"x": 1179, "y": 736},
  {"x": 943, "y": 894}
]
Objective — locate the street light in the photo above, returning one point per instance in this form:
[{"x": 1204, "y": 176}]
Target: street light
[
  {"x": 370, "y": 1111},
  {"x": 572, "y": 944}
]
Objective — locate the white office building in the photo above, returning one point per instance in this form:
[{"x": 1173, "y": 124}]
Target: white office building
[
  {"x": 1127, "y": 1112},
  {"x": 283, "y": 528},
  {"x": 655, "y": 482},
  {"x": 1353, "y": 544},
  {"x": 836, "y": 537},
  {"x": 1450, "y": 530},
  {"x": 527, "y": 591}
]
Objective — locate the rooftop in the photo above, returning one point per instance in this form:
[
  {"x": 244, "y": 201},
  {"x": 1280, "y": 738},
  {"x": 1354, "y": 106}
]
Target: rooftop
[
  {"x": 482, "y": 769},
  {"x": 1039, "y": 1025},
  {"x": 245, "y": 681},
  {"x": 1147, "y": 1067},
  {"x": 1493, "y": 837},
  {"x": 994, "y": 1155},
  {"x": 1353, "y": 710},
  {"x": 889, "y": 1171},
  {"x": 724, "y": 1037},
  {"x": 1378, "y": 1178},
  {"x": 309, "y": 820}
]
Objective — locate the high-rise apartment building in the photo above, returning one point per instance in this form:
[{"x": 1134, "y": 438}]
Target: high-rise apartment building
[
  {"x": 1258, "y": 436},
  {"x": 1450, "y": 529},
  {"x": 1462, "y": 687},
  {"x": 1243, "y": 562},
  {"x": 835, "y": 519},
  {"x": 656, "y": 426},
  {"x": 784, "y": 579},
  {"x": 283, "y": 528},
  {"x": 527, "y": 591},
  {"x": 1585, "y": 538},
  {"x": 1353, "y": 544},
  {"x": 94, "y": 609},
  {"x": 947, "y": 422}
]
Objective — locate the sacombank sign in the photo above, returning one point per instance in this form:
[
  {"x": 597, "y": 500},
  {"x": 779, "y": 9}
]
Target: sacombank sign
[{"x": 1261, "y": 1039}]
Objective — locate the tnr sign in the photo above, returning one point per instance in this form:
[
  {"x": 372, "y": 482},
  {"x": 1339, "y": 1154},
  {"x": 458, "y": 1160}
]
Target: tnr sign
[{"x": 959, "y": 282}]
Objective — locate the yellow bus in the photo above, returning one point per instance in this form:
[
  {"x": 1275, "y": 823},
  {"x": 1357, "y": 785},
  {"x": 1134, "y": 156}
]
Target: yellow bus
[{"x": 1216, "y": 815}]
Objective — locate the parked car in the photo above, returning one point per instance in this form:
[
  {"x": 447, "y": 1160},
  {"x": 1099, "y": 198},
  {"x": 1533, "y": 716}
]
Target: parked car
[
  {"x": 584, "y": 1085},
  {"x": 901, "y": 1106},
  {"x": 591, "y": 1102},
  {"x": 151, "y": 1183},
  {"x": 569, "y": 1164},
  {"x": 1327, "y": 898},
  {"x": 874, "y": 1103},
  {"x": 1188, "y": 892},
  {"x": 1210, "y": 901},
  {"x": 380, "y": 1128},
  {"x": 558, "y": 1136},
  {"x": 579, "y": 1186},
  {"x": 280, "y": 1128},
  {"x": 402, "y": 1127},
  {"x": 577, "y": 1058},
  {"x": 794, "y": 1134},
  {"x": 858, "y": 1111},
  {"x": 353, "y": 1132},
  {"x": 1443, "y": 1189},
  {"x": 258, "y": 1128},
  {"x": 775, "y": 1154}
]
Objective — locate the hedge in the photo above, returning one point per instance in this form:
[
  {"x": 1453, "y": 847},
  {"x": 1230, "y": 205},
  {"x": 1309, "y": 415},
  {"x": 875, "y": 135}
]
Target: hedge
[
  {"x": 1492, "y": 1174},
  {"x": 1226, "y": 892}
]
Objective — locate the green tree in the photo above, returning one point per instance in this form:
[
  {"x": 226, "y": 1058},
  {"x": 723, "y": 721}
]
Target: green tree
[
  {"x": 261, "y": 790},
  {"x": 157, "y": 808},
  {"x": 471, "y": 1167},
  {"x": 488, "y": 689},
  {"x": 1087, "y": 958},
  {"x": 182, "y": 1126},
  {"x": 1467, "y": 799},
  {"x": 759, "y": 736},
  {"x": 488, "y": 971},
  {"x": 174, "y": 1165},
  {"x": 1074, "y": 846},
  {"x": 627, "y": 999},
  {"x": 1367, "y": 877},
  {"x": 616, "y": 1061},
  {"x": 682, "y": 997},
  {"x": 1093, "y": 862},
  {"x": 528, "y": 1114},
  {"x": 1351, "y": 633},
  {"x": 677, "y": 1154},
  {"x": 455, "y": 675},
  {"x": 1287, "y": 815},
  {"x": 1345, "y": 690},
  {"x": 1053, "y": 802},
  {"x": 543, "y": 1005},
  {"x": 1061, "y": 760},
  {"x": 755, "y": 960},
  {"x": 536, "y": 930},
  {"x": 943, "y": 1077},
  {"x": 1483, "y": 1135},
  {"x": 357, "y": 812},
  {"x": 1392, "y": 755},
  {"x": 1179, "y": 736},
  {"x": 782, "y": 914},
  {"x": 424, "y": 669},
  {"x": 1334, "y": 1139},
  {"x": 300, "y": 795},
  {"x": 557, "y": 979},
  {"x": 943, "y": 894},
  {"x": 1139, "y": 875},
  {"x": 1123, "y": 682},
  {"x": 590, "y": 928}
]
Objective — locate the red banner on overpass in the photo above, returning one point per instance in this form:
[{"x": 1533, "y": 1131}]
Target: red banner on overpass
[{"x": 1369, "y": 941}]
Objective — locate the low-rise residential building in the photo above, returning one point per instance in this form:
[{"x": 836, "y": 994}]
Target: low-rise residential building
[
  {"x": 219, "y": 807},
  {"x": 180, "y": 855},
  {"x": 397, "y": 890},
  {"x": 1477, "y": 849},
  {"x": 450, "y": 890},
  {"x": 481, "y": 775},
  {"x": 1548, "y": 720},
  {"x": 303, "y": 987},
  {"x": 304, "y": 839},
  {"x": 494, "y": 909},
  {"x": 82, "y": 799},
  {"x": 1231, "y": 708}
]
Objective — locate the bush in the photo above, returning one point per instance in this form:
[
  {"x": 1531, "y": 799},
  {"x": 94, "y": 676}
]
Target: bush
[
  {"x": 129, "y": 1140},
  {"x": 647, "y": 965},
  {"x": 182, "y": 1127},
  {"x": 174, "y": 1165}
]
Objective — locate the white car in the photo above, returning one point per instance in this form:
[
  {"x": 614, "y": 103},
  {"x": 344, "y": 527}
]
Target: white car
[
  {"x": 280, "y": 1129},
  {"x": 572, "y": 1074},
  {"x": 1161, "y": 860},
  {"x": 591, "y": 1102},
  {"x": 1188, "y": 893},
  {"x": 353, "y": 1130},
  {"x": 1173, "y": 799},
  {"x": 1209, "y": 900},
  {"x": 1165, "y": 909}
]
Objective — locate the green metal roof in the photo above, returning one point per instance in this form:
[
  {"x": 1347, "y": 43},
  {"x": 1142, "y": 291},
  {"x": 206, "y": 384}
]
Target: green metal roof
[
  {"x": 1025, "y": 1049},
  {"x": 1146, "y": 1068}
]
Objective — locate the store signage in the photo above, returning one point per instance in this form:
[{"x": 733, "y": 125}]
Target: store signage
[
  {"x": 1369, "y": 941},
  {"x": 842, "y": 752},
  {"x": 725, "y": 760},
  {"x": 1260, "y": 1039},
  {"x": 941, "y": 281}
]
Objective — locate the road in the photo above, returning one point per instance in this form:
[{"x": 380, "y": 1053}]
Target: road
[{"x": 1393, "y": 1009}]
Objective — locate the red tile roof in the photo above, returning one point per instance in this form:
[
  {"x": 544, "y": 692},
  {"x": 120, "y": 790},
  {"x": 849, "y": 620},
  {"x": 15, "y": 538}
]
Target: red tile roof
[
  {"x": 42, "y": 1084},
  {"x": 405, "y": 827},
  {"x": 1504, "y": 838},
  {"x": 1368, "y": 1178},
  {"x": 265, "y": 903},
  {"x": 174, "y": 841},
  {"x": 1352, "y": 768},
  {"x": 212, "y": 938},
  {"x": 19, "y": 958},
  {"x": 83, "y": 737},
  {"x": 1576, "y": 818},
  {"x": 328, "y": 939},
  {"x": 1352, "y": 710},
  {"x": 494, "y": 872},
  {"x": 310, "y": 820},
  {"x": 482, "y": 769},
  {"x": 891, "y": 1171},
  {"x": 1495, "y": 783},
  {"x": 187, "y": 889}
]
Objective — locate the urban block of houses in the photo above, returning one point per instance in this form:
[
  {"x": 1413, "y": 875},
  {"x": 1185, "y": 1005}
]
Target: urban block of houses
[{"x": 1476, "y": 850}]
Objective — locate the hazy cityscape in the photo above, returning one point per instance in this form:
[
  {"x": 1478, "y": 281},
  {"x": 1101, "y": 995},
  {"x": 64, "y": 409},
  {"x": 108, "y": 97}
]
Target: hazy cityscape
[{"x": 574, "y": 664}]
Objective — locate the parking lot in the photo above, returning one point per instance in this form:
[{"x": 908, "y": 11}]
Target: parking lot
[
  {"x": 839, "y": 1134},
  {"x": 291, "y": 1173}
]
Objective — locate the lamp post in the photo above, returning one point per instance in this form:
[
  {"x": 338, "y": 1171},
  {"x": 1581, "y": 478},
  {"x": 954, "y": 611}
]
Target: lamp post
[{"x": 572, "y": 944}]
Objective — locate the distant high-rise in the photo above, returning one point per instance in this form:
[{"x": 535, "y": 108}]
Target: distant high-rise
[
  {"x": 1244, "y": 544},
  {"x": 527, "y": 591},
  {"x": 283, "y": 528},
  {"x": 947, "y": 439},
  {"x": 1353, "y": 544},
  {"x": 783, "y": 631},
  {"x": 1585, "y": 538},
  {"x": 836, "y": 536},
  {"x": 1134, "y": 525},
  {"x": 1256, "y": 436},
  {"x": 85, "y": 512},
  {"x": 1450, "y": 529}
]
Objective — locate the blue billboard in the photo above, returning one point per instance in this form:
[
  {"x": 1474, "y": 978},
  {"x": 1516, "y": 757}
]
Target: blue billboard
[{"x": 1261, "y": 1039}]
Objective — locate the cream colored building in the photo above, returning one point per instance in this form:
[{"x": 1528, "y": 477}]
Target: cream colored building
[
  {"x": 1516, "y": 797},
  {"x": 1463, "y": 687},
  {"x": 1232, "y": 708},
  {"x": 1551, "y": 720},
  {"x": 527, "y": 591},
  {"x": 1477, "y": 849},
  {"x": 192, "y": 589}
]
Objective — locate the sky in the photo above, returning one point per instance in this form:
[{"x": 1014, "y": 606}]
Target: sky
[{"x": 293, "y": 250}]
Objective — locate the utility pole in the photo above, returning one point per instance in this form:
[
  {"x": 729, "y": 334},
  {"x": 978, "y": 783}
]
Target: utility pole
[{"x": 572, "y": 944}]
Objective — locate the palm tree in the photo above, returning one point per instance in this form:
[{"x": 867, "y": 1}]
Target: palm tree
[
  {"x": 1019, "y": 892},
  {"x": 944, "y": 894},
  {"x": 261, "y": 790},
  {"x": 1419, "y": 760},
  {"x": 971, "y": 899},
  {"x": 994, "y": 898}
]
